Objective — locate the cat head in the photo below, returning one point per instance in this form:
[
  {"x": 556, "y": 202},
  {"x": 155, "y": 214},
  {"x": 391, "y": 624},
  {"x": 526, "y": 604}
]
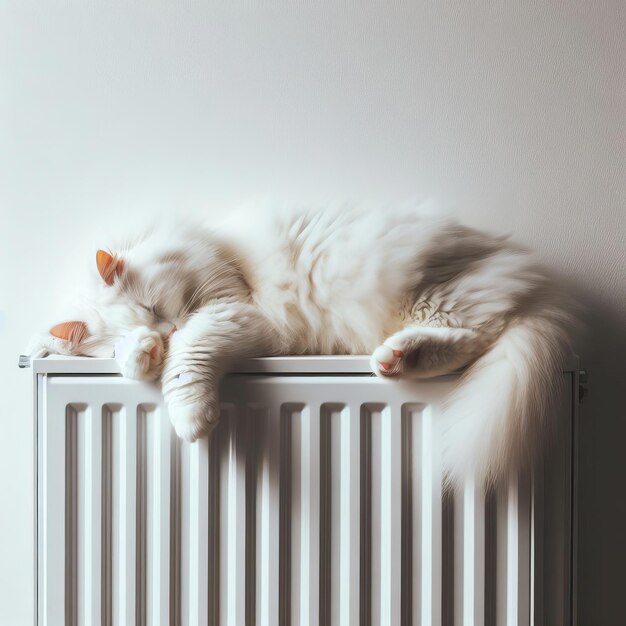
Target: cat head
[
  {"x": 110, "y": 306},
  {"x": 157, "y": 282}
]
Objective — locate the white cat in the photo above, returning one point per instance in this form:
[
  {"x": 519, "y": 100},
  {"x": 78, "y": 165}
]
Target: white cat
[{"x": 424, "y": 296}]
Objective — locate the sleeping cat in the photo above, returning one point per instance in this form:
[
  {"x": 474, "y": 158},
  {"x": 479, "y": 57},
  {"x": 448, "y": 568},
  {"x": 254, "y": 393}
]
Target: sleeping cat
[{"x": 424, "y": 296}]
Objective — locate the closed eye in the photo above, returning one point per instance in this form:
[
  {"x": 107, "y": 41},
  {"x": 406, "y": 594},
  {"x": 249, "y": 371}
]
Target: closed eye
[{"x": 153, "y": 310}]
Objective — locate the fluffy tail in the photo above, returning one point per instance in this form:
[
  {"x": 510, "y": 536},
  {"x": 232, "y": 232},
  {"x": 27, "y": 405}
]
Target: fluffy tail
[{"x": 503, "y": 407}]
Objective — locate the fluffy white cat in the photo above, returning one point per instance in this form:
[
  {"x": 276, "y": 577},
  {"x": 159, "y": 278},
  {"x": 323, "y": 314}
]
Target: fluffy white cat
[{"x": 424, "y": 296}]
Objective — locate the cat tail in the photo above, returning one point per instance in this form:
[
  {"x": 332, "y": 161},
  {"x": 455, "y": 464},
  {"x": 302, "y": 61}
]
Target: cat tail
[{"x": 503, "y": 408}]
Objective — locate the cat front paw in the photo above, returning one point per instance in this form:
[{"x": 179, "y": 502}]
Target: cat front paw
[
  {"x": 140, "y": 354},
  {"x": 192, "y": 417},
  {"x": 192, "y": 421},
  {"x": 44, "y": 343},
  {"x": 387, "y": 362}
]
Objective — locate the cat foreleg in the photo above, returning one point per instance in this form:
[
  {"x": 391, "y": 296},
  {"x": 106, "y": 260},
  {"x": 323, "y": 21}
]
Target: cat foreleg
[{"x": 199, "y": 355}]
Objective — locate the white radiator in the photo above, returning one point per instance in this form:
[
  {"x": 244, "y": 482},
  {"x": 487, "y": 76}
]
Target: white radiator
[{"x": 317, "y": 500}]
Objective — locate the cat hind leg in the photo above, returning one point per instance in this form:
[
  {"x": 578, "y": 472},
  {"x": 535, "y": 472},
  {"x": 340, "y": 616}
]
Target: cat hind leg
[{"x": 420, "y": 351}]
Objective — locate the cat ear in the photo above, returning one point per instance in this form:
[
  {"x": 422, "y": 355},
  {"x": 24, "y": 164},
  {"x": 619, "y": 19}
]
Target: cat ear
[
  {"x": 108, "y": 266},
  {"x": 74, "y": 332}
]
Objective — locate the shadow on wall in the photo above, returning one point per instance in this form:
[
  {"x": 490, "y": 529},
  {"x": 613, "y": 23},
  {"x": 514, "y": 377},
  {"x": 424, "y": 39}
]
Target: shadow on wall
[{"x": 602, "y": 461}]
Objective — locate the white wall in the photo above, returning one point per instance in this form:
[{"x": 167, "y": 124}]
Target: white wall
[{"x": 514, "y": 117}]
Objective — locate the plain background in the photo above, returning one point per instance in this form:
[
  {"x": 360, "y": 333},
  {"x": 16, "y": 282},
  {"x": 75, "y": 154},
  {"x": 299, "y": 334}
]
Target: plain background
[{"x": 511, "y": 114}]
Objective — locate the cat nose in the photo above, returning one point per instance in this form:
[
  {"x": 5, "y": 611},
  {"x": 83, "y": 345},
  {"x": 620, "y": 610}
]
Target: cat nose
[{"x": 166, "y": 328}]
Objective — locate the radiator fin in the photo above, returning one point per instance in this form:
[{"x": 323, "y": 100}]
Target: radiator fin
[{"x": 292, "y": 513}]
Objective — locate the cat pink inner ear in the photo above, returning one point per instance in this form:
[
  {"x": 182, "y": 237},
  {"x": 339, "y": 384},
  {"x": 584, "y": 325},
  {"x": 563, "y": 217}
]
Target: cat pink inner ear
[
  {"x": 108, "y": 266},
  {"x": 74, "y": 332}
]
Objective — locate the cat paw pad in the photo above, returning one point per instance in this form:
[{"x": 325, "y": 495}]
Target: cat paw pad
[{"x": 387, "y": 361}]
